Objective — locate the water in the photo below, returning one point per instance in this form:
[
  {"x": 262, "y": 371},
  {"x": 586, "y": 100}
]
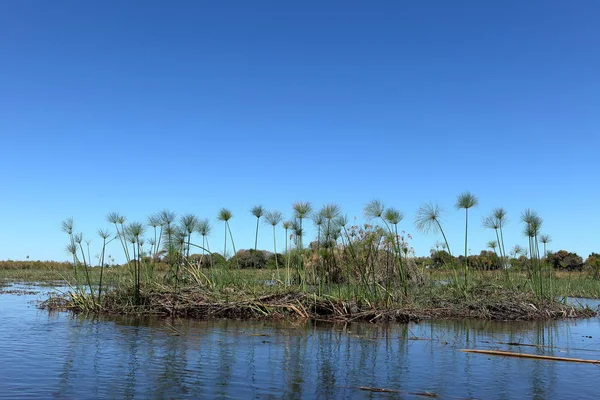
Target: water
[{"x": 62, "y": 356}]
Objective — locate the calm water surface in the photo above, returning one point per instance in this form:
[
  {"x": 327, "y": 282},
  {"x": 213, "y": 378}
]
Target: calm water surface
[{"x": 62, "y": 356}]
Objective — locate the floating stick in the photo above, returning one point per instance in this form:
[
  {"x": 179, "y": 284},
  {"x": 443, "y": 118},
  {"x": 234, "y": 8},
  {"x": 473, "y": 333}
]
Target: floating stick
[{"x": 533, "y": 356}]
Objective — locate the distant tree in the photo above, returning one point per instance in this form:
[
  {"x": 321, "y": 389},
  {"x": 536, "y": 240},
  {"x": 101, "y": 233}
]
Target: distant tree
[
  {"x": 593, "y": 264},
  {"x": 486, "y": 260},
  {"x": 250, "y": 258},
  {"x": 440, "y": 258},
  {"x": 563, "y": 260}
]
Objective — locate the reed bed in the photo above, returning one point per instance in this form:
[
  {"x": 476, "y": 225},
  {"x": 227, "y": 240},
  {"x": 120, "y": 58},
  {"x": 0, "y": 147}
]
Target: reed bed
[
  {"x": 259, "y": 301},
  {"x": 349, "y": 271}
]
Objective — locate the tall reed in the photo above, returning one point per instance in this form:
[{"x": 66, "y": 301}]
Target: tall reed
[
  {"x": 500, "y": 217},
  {"x": 225, "y": 215},
  {"x": 167, "y": 219},
  {"x": 133, "y": 233},
  {"x": 287, "y": 225},
  {"x": 302, "y": 210},
  {"x": 466, "y": 201},
  {"x": 428, "y": 219},
  {"x": 273, "y": 218},
  {"x": 104, "y": 234},
  {"x": 119, "y": 221},
  {"x": 67, "y": 227},
  {"x": 545, "y": 239},
  {"x": 258, "y": 212},
  {"x": 189, "y": 224},
  {"x": 78, "y": 238},
  {"x": 393, "y": 218},
  {"x": 204, "y": 228},
  {"x": 390, "y": 217},
  {"x": 533, "y": 224}
]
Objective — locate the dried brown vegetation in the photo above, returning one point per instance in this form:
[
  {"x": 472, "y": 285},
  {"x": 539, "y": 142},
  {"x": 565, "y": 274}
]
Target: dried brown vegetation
[{"x": 194, "y": 302}]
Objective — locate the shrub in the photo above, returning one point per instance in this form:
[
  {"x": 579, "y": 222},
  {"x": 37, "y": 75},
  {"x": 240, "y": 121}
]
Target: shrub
[
  {"x": 486, "y": 260},
  {"x": 207, "y": 260},
  {"x": 441, "y": 258},
  {"x": 250, "y": 258},
  {"x": 592, "y": 264},
  {"x": 564, "y": 260},
  {"x": 521, "y": 263},
  {"x": 271, "y": 260}
]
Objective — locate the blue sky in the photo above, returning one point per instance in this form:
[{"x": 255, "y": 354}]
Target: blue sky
[{"x": 192, "y": 106}]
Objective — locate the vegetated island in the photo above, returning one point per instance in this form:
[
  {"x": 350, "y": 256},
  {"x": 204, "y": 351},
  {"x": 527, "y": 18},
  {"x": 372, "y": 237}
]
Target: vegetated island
[
  {"x": 245, "y": 292},
  {"x": 349, "y": 272},
  {"x": 254, "y": 289}
]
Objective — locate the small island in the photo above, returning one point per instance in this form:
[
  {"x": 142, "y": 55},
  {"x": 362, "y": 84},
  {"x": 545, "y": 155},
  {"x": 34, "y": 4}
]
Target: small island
[{"x": 349, "y": 272}]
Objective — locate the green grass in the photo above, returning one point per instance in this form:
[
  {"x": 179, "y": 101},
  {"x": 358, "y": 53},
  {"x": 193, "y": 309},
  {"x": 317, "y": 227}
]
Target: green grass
[
  {"x": 564, "y": 284},
  {"x": 484, "y": 294},
  {"x": 572, "y": 284},
  {"x": 55, "y": 272},
  {"x": 111, "y": 275},
  {"x": 577, "y": 284}
]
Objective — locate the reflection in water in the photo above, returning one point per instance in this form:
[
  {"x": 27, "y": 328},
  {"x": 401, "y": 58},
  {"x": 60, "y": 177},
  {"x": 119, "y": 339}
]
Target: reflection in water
[{"x": 64, "y": 356}]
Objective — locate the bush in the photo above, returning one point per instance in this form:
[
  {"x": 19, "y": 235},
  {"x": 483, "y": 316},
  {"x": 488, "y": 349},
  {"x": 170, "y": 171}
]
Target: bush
[
  {"x": 271, "y": 260},
  {"x": 592, "y": 264},
  {"x": 208, "y": 260},
  {"x": 563, "y": 260},
  {"x": 250, "y": 259},
  {"x": 486, "y": 260},
  {"x": 519, "y": 264},
  {"x": 441, "y": 258}
]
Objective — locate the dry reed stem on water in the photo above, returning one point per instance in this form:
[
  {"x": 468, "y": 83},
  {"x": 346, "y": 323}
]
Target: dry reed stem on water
[
  {"x": 383, "y": 390},
  {"x": 532, "y": 356}
]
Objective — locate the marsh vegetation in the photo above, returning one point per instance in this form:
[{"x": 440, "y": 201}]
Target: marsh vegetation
[{"x": 348, "y": 270}]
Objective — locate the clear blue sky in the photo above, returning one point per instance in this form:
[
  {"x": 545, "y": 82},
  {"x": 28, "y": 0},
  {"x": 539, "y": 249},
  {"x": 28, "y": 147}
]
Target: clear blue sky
[{"x": 137, "y": 106}]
